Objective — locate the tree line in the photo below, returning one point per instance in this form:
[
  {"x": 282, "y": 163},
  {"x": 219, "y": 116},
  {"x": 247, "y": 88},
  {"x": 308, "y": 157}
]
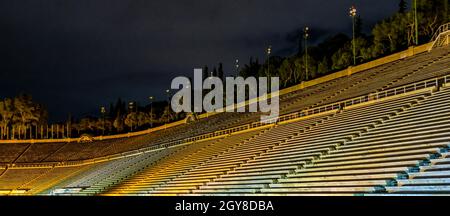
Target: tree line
[
  {"x": 19, "y": 114},
  {"x": 390, "y": 35}
]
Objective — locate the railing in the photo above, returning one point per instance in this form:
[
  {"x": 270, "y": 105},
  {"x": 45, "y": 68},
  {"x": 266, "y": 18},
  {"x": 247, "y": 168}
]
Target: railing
[
  {"x": 436, "y": 39},
  {"x": 443, "y": 28}
]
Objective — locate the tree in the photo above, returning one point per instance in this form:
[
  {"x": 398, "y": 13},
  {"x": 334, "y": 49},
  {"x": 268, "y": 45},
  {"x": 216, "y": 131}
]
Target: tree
[
  {"x": 250, "y": 69},
  {"x": 402, "y": 6},
  {"x": 329, "y": 46},
  {"x": 299, "y": 74},
  {"x": 136, "y": 119},
  {"x": 358, "y": 26},
  {"x": 87, "y": 124},
  {"x": 25, "y": 110},
  {"x": 167, "y": 115},
  {"x": 293, "y": 70},
  {"x": 322, "y": 67},
  {"x": 343, "y": 57},
  {"x": 205, "y": 72},
  {"x": 287, "y": 72},
  {"x": 393, "y": 34},
  {"x": 112, "y": 111},
  {"x": 397, "y": 32},
  {"x": 6, "y": 112},
  {"x": 312, "y": 67},
  {"x": 119, "y": 108},
  {"x": 131, "y": 120},
  {"x": 119, "y": 123},
  {"x": 214, "y": 72},
  {"x": 152, "y": 118},
  {"x": 42, "y": 114},
  {"x": 446, "y": 9},
  {"x": 103, "y": 124},
  {"x": 220, "y": 73},
  {"x": 270, "y": 67},
  {"x": 27, "y": 113},
  {"x": 431, "y": 15}
]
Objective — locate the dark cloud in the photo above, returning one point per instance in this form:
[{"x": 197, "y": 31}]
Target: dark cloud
[{"x": 76, "y": 55}]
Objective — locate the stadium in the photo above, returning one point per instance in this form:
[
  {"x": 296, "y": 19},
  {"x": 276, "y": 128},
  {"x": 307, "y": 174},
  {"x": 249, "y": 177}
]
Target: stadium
[{"x": 379, "y": 128}]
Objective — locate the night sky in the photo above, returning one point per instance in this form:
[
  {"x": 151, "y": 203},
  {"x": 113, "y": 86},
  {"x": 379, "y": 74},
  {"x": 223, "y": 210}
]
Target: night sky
[{"x": 76, "y": 55}]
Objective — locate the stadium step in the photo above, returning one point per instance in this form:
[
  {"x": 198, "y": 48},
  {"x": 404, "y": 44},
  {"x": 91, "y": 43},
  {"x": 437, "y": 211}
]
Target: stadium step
[
  {"x": 243, "y": 182},
  {"x": 359, "y": 166},
  {"x": 227, "y": 191},
  {"x": 351, "y": 172},
  {"x": 419, "y": 189},
  {"x": 424, "y": 182},
  {"x": 380, "y": 176},
  {"x": 441, "y": 167},
  {"x": 231, "y": 186},
  {"x": 441, "y": 174},
  {"x": 322, "y": 190},
  {"x": 361, "y": 183}
]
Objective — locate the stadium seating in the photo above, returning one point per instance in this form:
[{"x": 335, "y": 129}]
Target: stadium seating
[
  {"x": 376, "y": 158},
  {"x": 397, "y": 73},
  {"x": 169, "y": 169},
  {"x": 386, "y": 144},
  {"x": 311, "y": 146},
  {"x": 233, "y": 158},
  {"x": 427, "y": 131},
  {"x": 100, "y": 178}
]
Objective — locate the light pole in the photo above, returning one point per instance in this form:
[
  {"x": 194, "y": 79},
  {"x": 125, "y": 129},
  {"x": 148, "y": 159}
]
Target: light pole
[
  {"x": 151, "y": 110},
  {"x": 168, "y": 104},
  {"x": 268, "y": 52},
  {"x": 130, "y": 108},
  {"x": 236, "y": 65},
  {"x": 306, "y": 35},
  {"x": 353, "y": 15},
  {"x": 103, "y": 111},
  {"x": 416, "y": 25}
]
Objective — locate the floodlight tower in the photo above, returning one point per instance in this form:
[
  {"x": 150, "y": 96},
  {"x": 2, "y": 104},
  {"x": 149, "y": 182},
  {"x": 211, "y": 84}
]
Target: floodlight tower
[
  {"x": 236, "y": 66},
  {"x": 416, "y": 25},
  {"x": 306, "y": 35},
  {"x": 103, "y": 112},
  {"x": 268, "y": 52},
  {"x": 168, "y": 104},
  {"x": 353, "y": 15},
  {"x": 130, "y": 109},
  {"x": 151, "y": 98}
]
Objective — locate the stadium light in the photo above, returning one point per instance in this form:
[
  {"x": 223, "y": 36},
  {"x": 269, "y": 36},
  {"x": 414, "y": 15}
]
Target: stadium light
[
  {"x": 168, "y": 104},
  {"x": 130, "y": 106},
  {"x": 130, "y": 109},
  {"x": 268, "y": 52},
  {"x": 353, "y": 15},
  {"x": 416, "y": 25},
  {"x": 236, "y": 65},
  {"x": 151, "y": 110},
  {"x": 306, "y": 35},
  {"x": 103, "y": 111}
]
